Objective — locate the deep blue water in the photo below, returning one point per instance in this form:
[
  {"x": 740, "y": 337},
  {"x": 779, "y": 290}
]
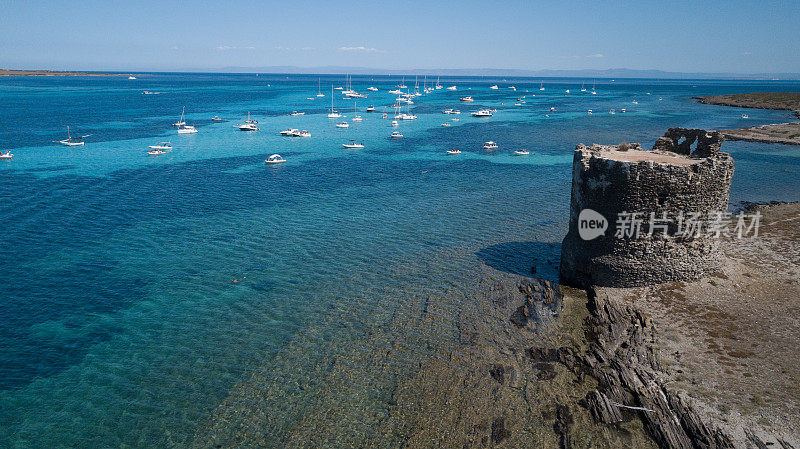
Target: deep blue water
[{"x": 119, "y": 321}]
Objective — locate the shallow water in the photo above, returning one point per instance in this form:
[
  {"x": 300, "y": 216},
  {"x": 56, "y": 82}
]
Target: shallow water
[{"x": 121, "y": 324}]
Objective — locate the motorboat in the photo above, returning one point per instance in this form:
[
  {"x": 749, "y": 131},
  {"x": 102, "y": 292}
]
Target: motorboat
[
  {"x": 451, "y": 111},
  {"x": 248, "y": 125},
  {"x": 517, "y": 104},
  {"x": 396, "y": 92},
  {"x": 353, "y": 145},
  {"x": 396, "y": 135},
  {"x": 490, "y": 145},
  {"x": 216, "y": 119},
  {"x": 342, "y": 125},
  {"x": 566, "y": 91},
  {"x": 451, "y": 88},
  {"x": 522, "y": 152},
  {"x": 494, "y": 87},
  {"x": 552, "y": 109},
  {"x": 623, "y": 110},
  {"x": 180, "y": 121},
  {"x": 303, "y": 133},
  {"x": 512, "y": 88},
  {"x": 370, "y": 109},
  {"x": 589, "y": 112},
  {"x": 466, "y": 99},
  {"x": 372, "y": 89},
  {"x": 289, "y": 132},
  {"x": 404, "y": 116},
  {"x": 612, "y": 112},
  {"x": 445, "y": 124},
  {"x": 187, "y": 129},
  {"x": 455, "y": 119},
  {"x": 745, "y": 116},
  {"x": 274, "y": 159},
  {"x": 73, "y": 141},
  {"x": 131, "y": 77},
  {"x": 162, "y": 146},
  {"x": 453, "y": 151},
  {"x": 482, "y": 113},
  {"x": 635, "y": 102},
  {"x": 6, "y": 155},
  {"x": 394, "y": 123},
  {"x": 295, "y": 113}
]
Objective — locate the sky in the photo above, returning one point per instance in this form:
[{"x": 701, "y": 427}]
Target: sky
[{"x": 680, "y": 36}]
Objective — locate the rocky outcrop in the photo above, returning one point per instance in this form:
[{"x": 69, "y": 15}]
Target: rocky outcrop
[{"x": 644, "y": 199}]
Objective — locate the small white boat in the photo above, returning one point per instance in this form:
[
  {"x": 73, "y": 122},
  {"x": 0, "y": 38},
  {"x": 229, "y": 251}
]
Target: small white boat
[
  {"x": 370, "y": 109},
  {"x": 622, "y": 110},
  {"x": 342, "y": 125},
  {"x": 248, "y": 125},
  {"x": 482, "y": 113},
  {"x": 566, "y": 91},
  {"x": 155, "y": 152},
  {"x": 295, "y": 113},
  {"x": 541, "y": 85},
  {"x": 396, "y": 92},
  {"x": 512, "y": 88},
  {"x": 73, "y": 141},
  {"x": 131, "y": 77},
  {"x": 612, "y": 112},
  {"x": 583, "y": 89},
  {"x": 451, "y": 111},
  {"x": 289, "y": 132},
  {"x": 490, "y": 145},
  {"x": 396, "y": 135},
  {"x": 353, "y": 145},
  {"x": 445, "y": 124},
  {"x": 451, "y": 88},
  {"x": 455, "y": 119},
  {"x": 467, "y": 99},
  {"x": 216, "y": 119},
  {"x": 745, "y": 116},
  {"x": 319, "y": 88},
  {"x": 338, "y": 88},
  {"x": 453, "y": 151},
  {"x": 187, "y": 129},
  {"x": 372, "y": 89},
  {"x": 552, "y": 109},
  {"x": 6, "y": 155},
  {"x": 180, "y": 121},
  {"x": 394, "y": 123},
  {"x": 303, "y": 133},
  {"x": 274, "y": 159},
  {"x": 517, "y": 104},
  {"x": 589, "y": 112},
  {"x": 635, "y": 102},
  {"x": 494, "y": 87},
  {"x": 162, "y": 146},
  {"x": 522, "y": 152}
]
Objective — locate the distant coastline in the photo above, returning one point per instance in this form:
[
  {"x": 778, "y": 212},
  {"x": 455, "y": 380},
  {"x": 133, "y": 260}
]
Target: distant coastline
[
  {"x": 8, "y": 72},
  {"x": 784, "y": 133}
]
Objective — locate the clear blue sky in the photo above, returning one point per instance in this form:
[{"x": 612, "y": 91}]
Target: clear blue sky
[{"x": 717, "y": 36}]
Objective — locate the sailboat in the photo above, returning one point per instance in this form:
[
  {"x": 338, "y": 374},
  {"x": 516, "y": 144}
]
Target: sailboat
[
  {"x": 73, "y": 141},
  {"x": 438, "y": 86},
  {"x": 183, "y": 128},
  {"x": 583, "y": 89},
  {"x": 333, "y": 114},
  {"x": 319, "y": 88},
  {"x": 402, "y": 84},
  {"x": 248, "y": 125},
  {"x": 356, "y": 117},
  {"x": 594, "y": 92},
  {"x": 541, "y": 85}
]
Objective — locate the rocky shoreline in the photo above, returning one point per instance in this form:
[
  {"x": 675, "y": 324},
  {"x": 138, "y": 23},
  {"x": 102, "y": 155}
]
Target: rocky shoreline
[{"x": 783, "y": 133}]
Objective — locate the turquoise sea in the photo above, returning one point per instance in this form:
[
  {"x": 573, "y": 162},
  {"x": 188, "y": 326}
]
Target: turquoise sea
[{"x": 120, "y": 321}]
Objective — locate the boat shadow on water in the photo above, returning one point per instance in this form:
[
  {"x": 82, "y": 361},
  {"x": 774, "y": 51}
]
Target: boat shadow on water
[{"x": 532, "y": 259}]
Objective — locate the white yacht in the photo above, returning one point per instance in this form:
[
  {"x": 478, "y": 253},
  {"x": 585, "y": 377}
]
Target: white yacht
[
  {"x": 445, "y": 124},
  {"x": 162, "y": 146},
  {"x": 216, "y": 119},
  {"x": 353, "y": 145},
  {"x": 295, "y": 113},
  {"x": 131, "y": 77},
  {"x": 566, "y": 91},
  {"x": 482, "y": 113},
  {"x": 494, "y": 87},
  {"x": 552, "y": 109},
  {"x": 6, "y": 155},
  {"x": 396, "y": 92},
  {"x": 451, "y": 88},
  {"x": 248, "y": 125},
  {"x": 451, "y": 111},
  {"x": 372, "y": 89},
  {"x": 589, "y": 112},
  {"x": 73, "y": 141},
  {"x": 394, "y": 123},
  {"x": 522, "y": 152},
  {"x": 342, "y": 125},
  {"x": 466, "y": 99},
  {"x": 438, "y": 86},
  {"x": 453, "y": 151},
  {"x": 319, "y": 88},
  {"x": 187, "y": 129},
  {"x": 303, "y": 133},
  {"x": 370, "y": 109},
  {"x": 490, "y": 145},
  {"x": 289, "y": 132},
  {"x": 333, "y": 114},
  {"x": 745, "y": 116},
  {"x": 623, "y": 110},
  {"x": 180, "y": 121},
  {"x": 396, "y": 135},
  {"x": 275, "y": 159}
]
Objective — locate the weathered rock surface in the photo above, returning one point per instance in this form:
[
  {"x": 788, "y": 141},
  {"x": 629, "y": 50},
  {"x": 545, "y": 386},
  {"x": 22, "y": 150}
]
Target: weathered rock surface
[{"x": 617, "y": 182}]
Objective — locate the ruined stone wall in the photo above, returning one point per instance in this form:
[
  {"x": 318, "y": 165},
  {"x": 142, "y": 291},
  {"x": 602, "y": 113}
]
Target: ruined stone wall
[{"x": 605, "y": 180}]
